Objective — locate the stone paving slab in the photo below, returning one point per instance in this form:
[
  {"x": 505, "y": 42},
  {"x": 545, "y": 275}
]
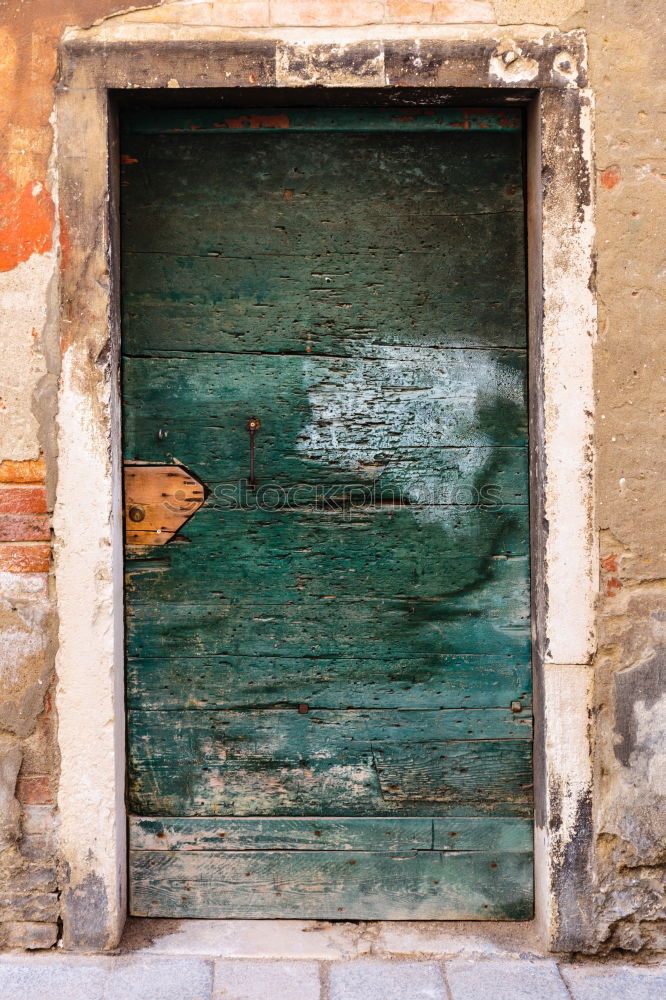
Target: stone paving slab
[
  {"x": 63, "y": 977},
  {"x": 381, "y": 980},
  {"x": 266, "y": 980},
  {"x": 30, "y": 980},
  {"x": 613, "y": 982},
  {"x": 58, "y": 976},
  {"x": 506, "y": 980}
]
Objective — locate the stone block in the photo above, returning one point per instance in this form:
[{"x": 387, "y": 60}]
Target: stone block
[
  {"x": 67, "y": 977},
  {"x": 373, "y": 980},
  {"x": 10, "y": 811},
  {"x": 159, "y": 979},
  {"x": 30, "y": 934},
  {"x": 614, "y": 982},
  {"x": 259, "y": 980},
  {"x": 56, "y": 980},
  {"x": 472, "y": 979},
  {"x": 283, "y": 940}
]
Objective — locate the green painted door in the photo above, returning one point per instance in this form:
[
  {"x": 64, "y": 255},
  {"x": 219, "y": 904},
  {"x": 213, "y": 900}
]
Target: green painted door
[{"x": 328, "y": 669}]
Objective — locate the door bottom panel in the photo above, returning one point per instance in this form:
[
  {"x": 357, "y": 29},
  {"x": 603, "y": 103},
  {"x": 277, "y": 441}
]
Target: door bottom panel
[{"x": 415, "y": 868}]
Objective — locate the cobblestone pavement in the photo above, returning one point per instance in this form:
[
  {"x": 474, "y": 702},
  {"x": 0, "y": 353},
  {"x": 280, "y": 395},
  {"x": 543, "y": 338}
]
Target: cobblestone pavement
[{"x": 293, "y": 960}]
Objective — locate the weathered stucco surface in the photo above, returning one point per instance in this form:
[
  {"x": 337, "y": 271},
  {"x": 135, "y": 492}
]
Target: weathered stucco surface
[{"x": 604, "y": 673}]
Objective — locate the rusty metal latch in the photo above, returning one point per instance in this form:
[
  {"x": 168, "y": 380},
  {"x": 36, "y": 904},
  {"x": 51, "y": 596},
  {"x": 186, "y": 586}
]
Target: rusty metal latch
[
  {"x": 253, "y": 425},
  {"x": 159, "y": 500}
]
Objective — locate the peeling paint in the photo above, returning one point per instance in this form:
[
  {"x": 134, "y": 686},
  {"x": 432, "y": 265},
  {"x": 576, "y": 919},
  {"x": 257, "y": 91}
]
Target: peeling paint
[{"x": 255, "y": 121}]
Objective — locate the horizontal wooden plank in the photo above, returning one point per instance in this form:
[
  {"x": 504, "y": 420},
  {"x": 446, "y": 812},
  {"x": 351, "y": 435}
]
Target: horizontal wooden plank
[
  {"x": 422, "y": 885},
  {"x": 487, "y": 477},
  {"x": 258, "y": 120},
  {"x": 198, "y": 833},
  {"x": 427, "y": 172},
  {"x": 322, "y": 733},
  {"x": 293, "y": 556},
  {"x": 297, "y": 228},
  {"x": 281, "y": 762},
  {"x": 340, "y": 411},
  {"x": 462, "y": 833},
  {"x": 380, "y": 628},
  {"x": 323, "y": 682},
  {"x": 325, "y": 326},
  {"x": 484, "y": 833},
  {"x": 326, "y": 303}
]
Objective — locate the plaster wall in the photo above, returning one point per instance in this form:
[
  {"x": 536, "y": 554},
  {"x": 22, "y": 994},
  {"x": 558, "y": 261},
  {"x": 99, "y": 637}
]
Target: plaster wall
[{"x": 603, "y": 833}]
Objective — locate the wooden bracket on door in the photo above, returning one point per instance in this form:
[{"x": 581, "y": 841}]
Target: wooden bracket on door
[{"x": 159, "y": 499}]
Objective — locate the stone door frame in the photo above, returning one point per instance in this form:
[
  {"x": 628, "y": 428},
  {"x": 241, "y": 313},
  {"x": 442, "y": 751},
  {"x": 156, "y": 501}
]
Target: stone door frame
[{"x": 543, "y": 72}]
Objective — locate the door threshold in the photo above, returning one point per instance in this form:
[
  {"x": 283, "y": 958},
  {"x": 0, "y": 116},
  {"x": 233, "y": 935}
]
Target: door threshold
[{"x": 331, "y": 941}]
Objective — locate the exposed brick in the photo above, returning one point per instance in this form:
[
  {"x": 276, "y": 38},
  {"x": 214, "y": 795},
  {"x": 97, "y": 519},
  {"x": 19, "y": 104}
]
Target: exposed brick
[
  {"x": 35, "y": 790},
  {"x": 322, "y": 12},
  {"x": 24, "y": 528},
  {"x": 409, "y": 11},
  {"x": 30, "y": 934},
  {"x": 33, "y": 471},
  {"x": 26, "y": 558},
  {"x": 23, "y": 500},
  {"x": 611, "y": 176}
]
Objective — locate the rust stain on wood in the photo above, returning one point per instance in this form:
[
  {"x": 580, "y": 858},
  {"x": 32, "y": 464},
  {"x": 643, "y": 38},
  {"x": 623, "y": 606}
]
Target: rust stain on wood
[{"x": 255, "y": 121}]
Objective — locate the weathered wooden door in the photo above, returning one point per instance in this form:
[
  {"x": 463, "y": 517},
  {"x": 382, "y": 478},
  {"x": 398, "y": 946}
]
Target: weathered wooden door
[{"x": 328, "y": 666}]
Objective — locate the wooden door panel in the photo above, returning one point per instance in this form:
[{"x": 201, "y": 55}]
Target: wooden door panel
[
  {"x": 332, "y": 885},
  {"x": 324, "y": 627},
  {"x": 255, "y": 762},
  {"x": 328, "y": 676},
  {"x": 451, "y": 833},
  {"x": 344, "y": 556},
  {"x": 228, "y": 682}
]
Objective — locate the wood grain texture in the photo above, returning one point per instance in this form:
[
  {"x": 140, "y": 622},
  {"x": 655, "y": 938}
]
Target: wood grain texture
[
  {"x": 327, "y": 246},
  {"x": 330, "y": 626},
  {"x": 281, "y": 762},
  {"x": 224, "y": 682},
  {"x": 320, "y": 672},
  {"x": 292, "y": 555},
  {"x": 461, "y": 833},
  {"x": 158, "y": 500},
  {"x": 332, "y": 885}
]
